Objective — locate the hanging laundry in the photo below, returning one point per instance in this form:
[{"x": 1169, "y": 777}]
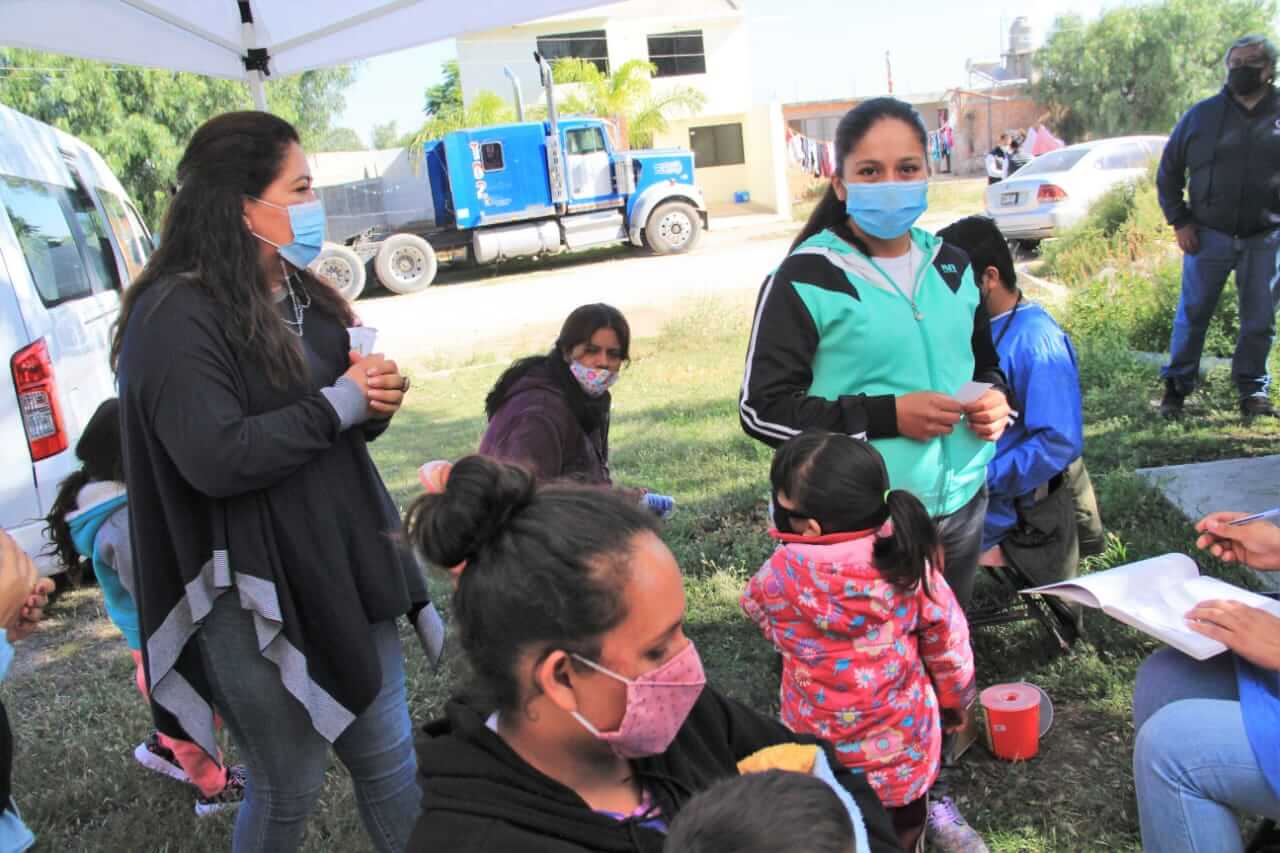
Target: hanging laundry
[
  {"x": 1029, "y": 144},
  {"x": 1046, "y": 141}
]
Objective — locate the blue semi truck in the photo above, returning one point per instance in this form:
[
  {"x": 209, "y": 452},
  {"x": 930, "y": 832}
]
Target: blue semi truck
[{"x": 512, "y": 191}]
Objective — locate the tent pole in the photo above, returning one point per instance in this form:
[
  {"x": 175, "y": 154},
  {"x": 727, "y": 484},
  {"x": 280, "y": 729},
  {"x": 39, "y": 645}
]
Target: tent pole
[
  {"x": 258, "y": 88},
  {"x": 257, "y": 62}
]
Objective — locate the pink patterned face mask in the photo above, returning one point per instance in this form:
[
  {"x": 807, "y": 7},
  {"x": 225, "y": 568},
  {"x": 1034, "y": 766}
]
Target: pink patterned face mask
[
  {"x": 593, "y": 380},
  {"x": 658, "y": 703}
]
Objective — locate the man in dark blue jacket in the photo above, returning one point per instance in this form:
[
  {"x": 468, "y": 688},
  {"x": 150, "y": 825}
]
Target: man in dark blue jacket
[{"x": 1229, "y": 220}]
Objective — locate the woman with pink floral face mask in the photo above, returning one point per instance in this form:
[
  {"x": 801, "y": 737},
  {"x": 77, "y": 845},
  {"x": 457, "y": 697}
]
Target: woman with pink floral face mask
[{"x": 591, "y": 723}]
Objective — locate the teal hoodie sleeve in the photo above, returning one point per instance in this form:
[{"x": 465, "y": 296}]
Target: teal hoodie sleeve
[{"x": 775, "y": 402}]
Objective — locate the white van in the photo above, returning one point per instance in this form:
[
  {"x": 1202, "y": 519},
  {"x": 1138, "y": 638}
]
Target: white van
[{"x": 70, "y": 240}]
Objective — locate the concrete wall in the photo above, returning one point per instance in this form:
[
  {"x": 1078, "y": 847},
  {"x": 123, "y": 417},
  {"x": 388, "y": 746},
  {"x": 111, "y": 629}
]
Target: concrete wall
[
  {"x": 726, "y": 42},
  {"x": 763, "y": 175},
  {"x": 1012, "y": 109},
  {"x": 726, "y": 83}
]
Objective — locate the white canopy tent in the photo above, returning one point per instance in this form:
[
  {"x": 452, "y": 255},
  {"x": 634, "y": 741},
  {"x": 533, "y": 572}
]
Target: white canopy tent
[{"x": 252, "y": 39}]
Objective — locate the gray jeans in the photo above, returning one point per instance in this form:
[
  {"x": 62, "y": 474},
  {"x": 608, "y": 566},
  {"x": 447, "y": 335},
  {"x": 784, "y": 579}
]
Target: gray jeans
[{"x": 286, "y": 757}]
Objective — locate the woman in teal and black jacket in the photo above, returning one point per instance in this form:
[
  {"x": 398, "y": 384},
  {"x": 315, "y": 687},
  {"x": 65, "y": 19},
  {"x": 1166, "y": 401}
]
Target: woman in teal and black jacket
[{"x": 870, "y": 326}]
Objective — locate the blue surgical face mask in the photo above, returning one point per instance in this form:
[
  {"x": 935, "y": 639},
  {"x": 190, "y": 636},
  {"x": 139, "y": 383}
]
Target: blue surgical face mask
[
  {"x": 887, "y": 209},
  {"x": 307, "y": 221}
]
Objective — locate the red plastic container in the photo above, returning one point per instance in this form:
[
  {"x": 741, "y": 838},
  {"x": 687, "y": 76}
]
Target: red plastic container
[{"x": 1013, "y": 720}]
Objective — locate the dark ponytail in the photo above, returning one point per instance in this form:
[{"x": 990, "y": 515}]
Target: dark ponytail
[
  {"x": 905, "y": 557},
  {"x": 545, "y": 567},
  {"x": 101, "y": 459},
  {"x": 58, "y": 530},
  {"x": 842, "y": 483},
  {"x": 831, "y": 211}
]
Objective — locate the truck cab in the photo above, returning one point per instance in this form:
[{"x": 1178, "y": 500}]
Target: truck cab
[
  {"x": 570, "y": 176},
  {"x": 524, "y": 189}
]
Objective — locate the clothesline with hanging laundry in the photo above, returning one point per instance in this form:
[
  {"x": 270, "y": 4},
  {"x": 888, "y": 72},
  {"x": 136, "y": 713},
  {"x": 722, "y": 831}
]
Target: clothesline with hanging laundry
[
  {"x": 815, "y": 157},
  {"x": 941, "y": 143}
]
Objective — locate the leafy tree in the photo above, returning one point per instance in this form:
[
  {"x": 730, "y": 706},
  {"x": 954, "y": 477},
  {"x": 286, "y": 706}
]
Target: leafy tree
[
  {"x": 340, "y": 139},
  {"x": 140, "y": 119},
  {"x": 386, "y": 135},
  {"x": 447, "y": 94},
  {"x": 1138, "y": 68},
  {"x": 624, "y": 95},
  {"x": 485, "y": 108}
]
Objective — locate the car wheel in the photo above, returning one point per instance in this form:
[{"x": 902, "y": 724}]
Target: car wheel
[{"x": 406, "y": 263}]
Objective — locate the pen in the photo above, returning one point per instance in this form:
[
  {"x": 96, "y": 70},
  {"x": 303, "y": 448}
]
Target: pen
[{"x": 1257, "y": 516}]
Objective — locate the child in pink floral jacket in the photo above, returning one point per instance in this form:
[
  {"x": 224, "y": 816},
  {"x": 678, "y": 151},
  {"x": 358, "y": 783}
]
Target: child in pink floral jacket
[{"x": 872, "y": 639}]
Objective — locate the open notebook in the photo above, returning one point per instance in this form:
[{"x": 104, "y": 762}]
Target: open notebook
[{"x": 1154, "y": 596}]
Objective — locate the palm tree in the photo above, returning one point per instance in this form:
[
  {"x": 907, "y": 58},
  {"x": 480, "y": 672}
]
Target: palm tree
[{"x": 625, "y": 95}]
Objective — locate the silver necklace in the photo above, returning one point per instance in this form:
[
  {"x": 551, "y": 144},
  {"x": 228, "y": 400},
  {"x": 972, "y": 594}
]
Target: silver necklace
[
  {"x": 299, "y": 308},
  {"x": 911, "y": 275}
]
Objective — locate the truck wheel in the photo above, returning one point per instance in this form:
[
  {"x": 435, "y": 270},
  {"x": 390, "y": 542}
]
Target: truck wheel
[
  {"x": 406, "y": 263},
  {"x": 673, "y": 228},
  {"x": 342, "y": 268}
]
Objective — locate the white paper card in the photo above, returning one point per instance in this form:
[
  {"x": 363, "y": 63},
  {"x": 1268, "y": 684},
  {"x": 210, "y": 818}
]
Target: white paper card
[
  {"x": 971, "y": 392},
  {"x": 362, "y": 338}
]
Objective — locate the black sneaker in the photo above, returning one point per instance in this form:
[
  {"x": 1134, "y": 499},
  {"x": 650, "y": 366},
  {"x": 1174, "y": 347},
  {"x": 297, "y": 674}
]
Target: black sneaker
[
  {"x": 1171, "y": 402},
  {"x": 156, "y": 758},
  {"x": 230, "y": 797},
  {"x": 1256, "y": 407}
]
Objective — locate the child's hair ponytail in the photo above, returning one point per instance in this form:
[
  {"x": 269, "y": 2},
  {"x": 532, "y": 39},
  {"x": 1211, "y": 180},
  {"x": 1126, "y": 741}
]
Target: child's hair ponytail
[
  {"x": 842, "y": 483},
  {"x": 101, "y": 459},
  {"x": 904, "y": 558},
  {"x": 58, "y": 530}
]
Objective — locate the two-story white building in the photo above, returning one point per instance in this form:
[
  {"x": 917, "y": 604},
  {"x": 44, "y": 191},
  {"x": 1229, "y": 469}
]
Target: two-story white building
[{"x": 739, "y": 144}]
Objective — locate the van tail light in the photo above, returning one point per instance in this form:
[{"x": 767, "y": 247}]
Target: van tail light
[
  {"x": 1051, "y": 192},
  {"x": 38, "y": 401}
]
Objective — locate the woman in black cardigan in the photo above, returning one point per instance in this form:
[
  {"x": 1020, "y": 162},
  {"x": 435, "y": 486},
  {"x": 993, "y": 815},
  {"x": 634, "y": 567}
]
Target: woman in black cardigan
[{"x": 268, "y": 572}]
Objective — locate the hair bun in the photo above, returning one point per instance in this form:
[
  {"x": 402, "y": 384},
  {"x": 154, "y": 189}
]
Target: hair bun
[{"x": 478, "y": 503}]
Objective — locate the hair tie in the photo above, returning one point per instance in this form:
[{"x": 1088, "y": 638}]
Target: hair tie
[{"x": 887, "y": 492}]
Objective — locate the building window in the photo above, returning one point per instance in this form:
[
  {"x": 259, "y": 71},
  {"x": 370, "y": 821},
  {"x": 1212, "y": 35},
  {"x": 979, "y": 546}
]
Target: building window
[
  {"x": 675, "y": 54},
  {"x": 589, "y": 45},
  {"x": 491, "y": 156},
  {"x": 717, "y": 145}
]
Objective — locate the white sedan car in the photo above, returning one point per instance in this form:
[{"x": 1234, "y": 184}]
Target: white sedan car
[{"x": 1054, "y": 191}]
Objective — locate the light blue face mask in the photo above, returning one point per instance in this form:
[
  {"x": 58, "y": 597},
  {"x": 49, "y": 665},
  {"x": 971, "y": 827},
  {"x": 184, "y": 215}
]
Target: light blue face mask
[
  {"x": 307, "y": 221},
  {"x": 887, "y": 209}
]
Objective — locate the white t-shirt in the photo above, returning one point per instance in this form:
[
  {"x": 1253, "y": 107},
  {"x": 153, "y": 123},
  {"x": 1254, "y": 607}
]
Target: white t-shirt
[{"x": 903, "y": 270}]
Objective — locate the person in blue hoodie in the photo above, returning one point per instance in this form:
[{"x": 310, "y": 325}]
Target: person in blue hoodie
[
  {"x": 90, "y": 520},
  {"x": 1041, "y": 509}
]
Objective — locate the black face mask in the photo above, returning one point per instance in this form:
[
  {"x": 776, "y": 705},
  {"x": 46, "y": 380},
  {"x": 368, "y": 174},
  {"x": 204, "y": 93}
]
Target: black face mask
[{"x": 1244, "y": 80}]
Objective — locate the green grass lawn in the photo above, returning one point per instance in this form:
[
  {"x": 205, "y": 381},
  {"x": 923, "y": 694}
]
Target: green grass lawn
[{"x": 77, "y": 716}]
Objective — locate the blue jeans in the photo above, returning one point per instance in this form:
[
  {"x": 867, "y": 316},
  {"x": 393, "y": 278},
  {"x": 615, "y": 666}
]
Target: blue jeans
[
  {"x": 1192, "y": 763},
  {"x": 1257, "y": 268},
  {"x": 286, "y": 757}
]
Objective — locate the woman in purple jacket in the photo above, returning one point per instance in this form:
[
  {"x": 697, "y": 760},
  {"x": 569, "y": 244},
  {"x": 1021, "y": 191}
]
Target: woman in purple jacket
[{"x": 551, "y": 412}]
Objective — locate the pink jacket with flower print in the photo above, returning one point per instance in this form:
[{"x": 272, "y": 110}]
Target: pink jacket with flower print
[{"x": 865, "y": 665}]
